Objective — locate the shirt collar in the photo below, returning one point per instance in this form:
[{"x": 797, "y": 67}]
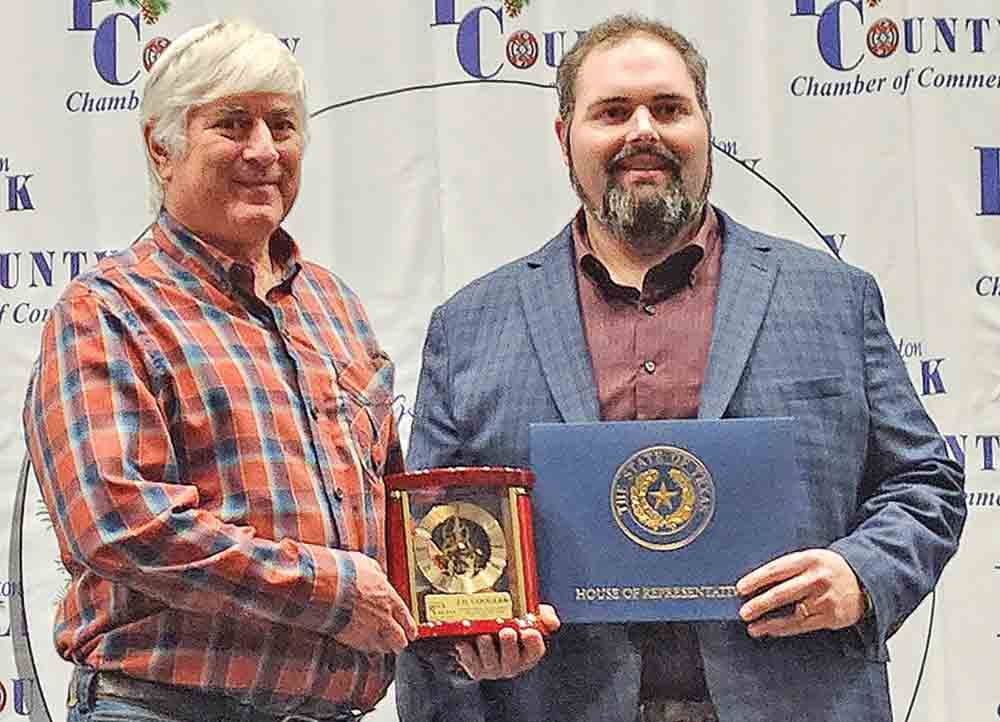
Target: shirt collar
[
  {"x": 186, "y": 248},
  {"x": 675, "y": 272}
]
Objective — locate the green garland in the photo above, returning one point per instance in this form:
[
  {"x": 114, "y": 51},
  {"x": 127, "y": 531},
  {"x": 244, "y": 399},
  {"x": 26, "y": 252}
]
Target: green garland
[
  {"x": 514, "y": 7},
  {"x": 151, "y": 9}
]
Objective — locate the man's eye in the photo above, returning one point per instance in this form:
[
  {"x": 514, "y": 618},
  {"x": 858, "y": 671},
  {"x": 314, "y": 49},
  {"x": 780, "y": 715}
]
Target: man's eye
[
  {"x": 614, "y": 113},
  {"x": 667, "y": 110},
  {"x": 232, "y": 123}
]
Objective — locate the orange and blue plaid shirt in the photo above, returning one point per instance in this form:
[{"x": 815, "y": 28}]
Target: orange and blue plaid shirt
[{"x": 213, "y": 464}]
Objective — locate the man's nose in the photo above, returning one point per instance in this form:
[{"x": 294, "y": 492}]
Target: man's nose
[
  {"x": 641, "y": 125},
  {"x": 260, "y": 146}
]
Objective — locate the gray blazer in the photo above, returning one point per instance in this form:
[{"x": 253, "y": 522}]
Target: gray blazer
[{"x": 796, "y": 333}]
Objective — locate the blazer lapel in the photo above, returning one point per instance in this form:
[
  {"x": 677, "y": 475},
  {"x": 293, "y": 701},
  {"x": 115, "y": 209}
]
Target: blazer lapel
[
  {"x": 745, "y": 286},
  {"x": 549, "y": 296}
]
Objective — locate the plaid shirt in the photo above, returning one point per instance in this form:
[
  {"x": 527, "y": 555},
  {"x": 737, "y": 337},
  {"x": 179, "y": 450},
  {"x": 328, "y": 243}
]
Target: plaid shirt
[{"x": 212, "y": 464}]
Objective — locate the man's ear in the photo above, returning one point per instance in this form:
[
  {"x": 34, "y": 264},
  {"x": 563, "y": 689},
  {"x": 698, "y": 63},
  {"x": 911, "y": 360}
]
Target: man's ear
[
  {"x": 562, "y": 134},
  {"x": 159, "y": 153}
]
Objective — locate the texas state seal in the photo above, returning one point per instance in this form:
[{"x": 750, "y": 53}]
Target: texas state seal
[{"x": 662, "y": 497}]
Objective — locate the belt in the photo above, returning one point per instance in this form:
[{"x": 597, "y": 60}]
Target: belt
[
  {"x": 191, "y": 704},
  {"x": 672, "y": 710}
]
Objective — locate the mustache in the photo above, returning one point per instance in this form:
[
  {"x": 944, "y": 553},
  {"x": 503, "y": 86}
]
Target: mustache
[
  {"x": 258, "y": 181},
  {"x": 667, "y": 157}
]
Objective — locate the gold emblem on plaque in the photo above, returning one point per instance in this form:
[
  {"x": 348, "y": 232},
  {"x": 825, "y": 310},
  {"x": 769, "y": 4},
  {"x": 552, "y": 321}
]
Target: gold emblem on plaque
[
  {"x": 663, "y": 497},
  {"x": 460, "y": 548},
  {"x": 647, "y": 504}
]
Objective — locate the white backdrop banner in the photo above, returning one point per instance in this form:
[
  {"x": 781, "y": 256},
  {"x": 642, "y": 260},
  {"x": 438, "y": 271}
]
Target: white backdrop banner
[{"x": 866, "y": 128}]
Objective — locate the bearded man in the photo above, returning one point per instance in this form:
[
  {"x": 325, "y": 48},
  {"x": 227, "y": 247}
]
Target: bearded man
[{"x": 653, "y": 304}]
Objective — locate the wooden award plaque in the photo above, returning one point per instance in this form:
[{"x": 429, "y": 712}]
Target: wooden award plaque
[{"x": 461, "y": 549}]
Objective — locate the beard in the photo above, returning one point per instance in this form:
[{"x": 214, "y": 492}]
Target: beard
[{"x": 646, "y": 218}]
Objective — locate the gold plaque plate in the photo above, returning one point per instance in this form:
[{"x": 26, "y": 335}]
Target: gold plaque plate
[{"x": 458, "y": 607}]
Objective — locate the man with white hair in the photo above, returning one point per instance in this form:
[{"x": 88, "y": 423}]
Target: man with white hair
[{"x": 210, "y": 420}]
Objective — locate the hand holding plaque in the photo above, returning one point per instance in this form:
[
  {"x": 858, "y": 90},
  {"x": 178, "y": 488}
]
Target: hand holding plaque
[{"x": 461, "y": 550}]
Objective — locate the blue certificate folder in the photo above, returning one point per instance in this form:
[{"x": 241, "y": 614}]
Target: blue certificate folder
[{"x": 656, "y": 520}]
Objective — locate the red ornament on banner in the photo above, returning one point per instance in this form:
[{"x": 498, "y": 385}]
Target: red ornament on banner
[
  {"x": 883, "y": 38},
  {"x": 522, "y": 49},
  {"x": 153, "y": 50}
]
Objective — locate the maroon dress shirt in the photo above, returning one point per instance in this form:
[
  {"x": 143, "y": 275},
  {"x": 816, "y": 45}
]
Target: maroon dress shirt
[{"x": 649, "y": 349}]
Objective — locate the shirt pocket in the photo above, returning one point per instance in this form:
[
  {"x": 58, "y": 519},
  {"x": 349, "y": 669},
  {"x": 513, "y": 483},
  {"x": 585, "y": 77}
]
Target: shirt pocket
[{"x": 365, "y": 388}]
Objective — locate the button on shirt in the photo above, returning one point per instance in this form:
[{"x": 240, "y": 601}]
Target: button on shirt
[
  {"x": 649, "y": 346},
  {"x": 649, "y": 350},
  {"x": 212, "y": 462}
]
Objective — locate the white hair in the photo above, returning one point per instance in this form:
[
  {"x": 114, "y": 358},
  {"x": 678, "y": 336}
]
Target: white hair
[{"x": 203, "y": 65}]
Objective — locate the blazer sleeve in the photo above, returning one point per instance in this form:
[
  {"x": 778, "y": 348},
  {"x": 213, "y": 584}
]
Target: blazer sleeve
[
  {"x": 911, "y": 505},
  {"x": 434, "y": 437}
]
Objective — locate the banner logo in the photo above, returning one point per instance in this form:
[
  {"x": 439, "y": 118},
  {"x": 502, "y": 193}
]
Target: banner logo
[
  {"x": 846, "y": 41},
  {"x": 482, "y": 42},
  {"x": 114, "y": 35},
  {"x": 119, "y": 54},
  {"x": 840, "y": 23}
]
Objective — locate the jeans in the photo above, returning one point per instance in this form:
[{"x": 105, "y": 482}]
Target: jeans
[
  {"x": 86, "y": 706},
  {"x": 114, "y": 710}
]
